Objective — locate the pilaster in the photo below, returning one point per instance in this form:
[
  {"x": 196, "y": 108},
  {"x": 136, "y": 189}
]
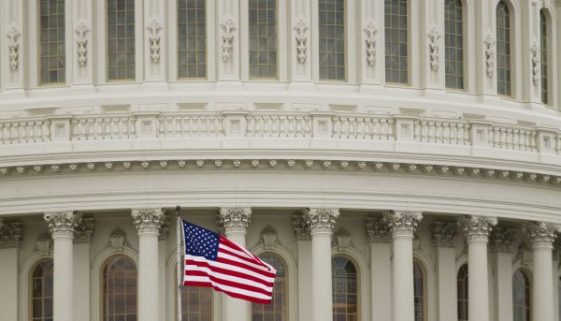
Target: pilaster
[
  {"x": 228, "y": 54},
  {"x": 82, "y": 251},
  {"x": 155, "y": 40},
  {"x": 444, "y": 234},
  {"x": 378, "y": 232},
  {"x": 432, "y": 48},
  {"x": 300, "y": 43},
  {"x": 370, "y": 39},
  {"x": 10, "y": 235},
  {"x": 81, "y": 41},
  {"x": 501, "y": 240},
  {"x": 531, "y": 54},
  {"x": 542, "y": 235},
  {"x": 304, "y": 237},
  {"x": 13, "y": 45},
  {"x": 486, "y": 48}
]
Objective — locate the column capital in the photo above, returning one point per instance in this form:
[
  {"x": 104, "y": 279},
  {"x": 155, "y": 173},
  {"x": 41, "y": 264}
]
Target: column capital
[
  {"x": 477, "y": 228},
  {"x": 378, "y": 230},
  {"x": 403, "y": 223},
  {"x": 321, "y": 220},
  {"x": 10, "y": 234},
  {"x": 84, "y": 230},
  {"x": 234, "y": 219},
  {"x": 62, "y": 224},
  {"x": 147, "y": 220},
  {"x": 301, "y": 227},
  {"x": 444, "y": 233},
  {"x": 542, "y": 234},
  {"x": 501, "y": 239}
]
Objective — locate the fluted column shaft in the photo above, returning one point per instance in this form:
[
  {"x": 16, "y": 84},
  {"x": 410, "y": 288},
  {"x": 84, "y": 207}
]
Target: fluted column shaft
[
  {"x": 380, "y": 268},
  {"x": 322, "y": 222},
  {"x": 403, "y": 226},
  {"x": 148, "y": 222},
  {"x": 542, "y": 236},
  {"x": 62, "y": 226},
  {"x": 234, "y": 221}
]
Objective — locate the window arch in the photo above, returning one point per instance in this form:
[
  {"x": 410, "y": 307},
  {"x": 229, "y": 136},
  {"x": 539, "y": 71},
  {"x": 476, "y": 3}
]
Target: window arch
[
  {"x": 42, "y": 291},
  {"x": 263, "y": 38},
  {"x": 345, "y": 289},
  {"x": 503, "y": 49},
  {"x": 396, "y": 37},
  {"x": 544, "y": 37},
  {"x": 191, "y": 39},
  {"x": 119, "y": 289},
  {"x": 463, "y": 299},
  {"x": 521, "y": 295},
  {"x": 419, "y": 291},
  {"x": 454, "y": 44},
  {"x": 278, "y": 309},
  {"x": 52, "y": 46},
  {"x": 120, "y": 40},
  {"x": 332, "y": 39}
]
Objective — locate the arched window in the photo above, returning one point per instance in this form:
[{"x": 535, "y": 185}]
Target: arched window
[
  {"x": 277, "y": 310},
  {"x": 345, "y": 289},
  {"x": 196, "y": 303},
  {"x": 544, "y": 61},
  {"x": 42, "y": 291},
  {"x": 191, "y": 38},
  {"x": 119, "y": 289},
  {"x": 419, "y": 292},
  {"x": 454, "y": 44},
  {"x": 396, "y": 34},
  {"x": 462, "y": 286},
  {"x": 52, "y": 48},
  {"x": 120, "y": 40},
  {"x": 263, "y": 38},
  {"x": 503, "y": 49},
  {"x": 521, "y": 296},
  {"x": 332, "y": 39}
]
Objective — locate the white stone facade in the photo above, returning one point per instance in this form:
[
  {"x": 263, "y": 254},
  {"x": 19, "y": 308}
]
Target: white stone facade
[{"x": 411, "y": 173}]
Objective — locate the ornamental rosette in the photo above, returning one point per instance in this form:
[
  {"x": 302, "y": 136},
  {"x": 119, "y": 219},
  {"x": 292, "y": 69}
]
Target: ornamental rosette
[
  {"x": 301, "y": 227},
  {"x": 542, "y": 234},
  {"x": 148, "y": 220},
  {"x": 378, "y": 230},
  {"x": 234, "y": 219},
  {"x": 444, "y": 233},
  {"x": 478, "y": 228},
  {"x": 62, "y": 223},
  {"x": 10, "y": 234},
  {"x": 321, "y": 220},
  {"x": 403, "y": 223}
]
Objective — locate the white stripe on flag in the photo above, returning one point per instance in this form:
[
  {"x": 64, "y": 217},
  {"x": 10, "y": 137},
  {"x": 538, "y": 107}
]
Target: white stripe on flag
[{"x": 228, "y": 277}]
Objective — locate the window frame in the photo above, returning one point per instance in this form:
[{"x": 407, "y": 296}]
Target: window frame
[
  {"x": 458, "y": 292},
  {"x": 465, "y": 51},
  {"x": 286, "y": 308},
  {"x": 512, "y": 49},
  {"x": 549, "y": 55},
  {"x": 346, "y": 49},
  {"x": 208, "y": 30},
  {"x": 30, "y": 285},
  {"x": 103, "y": 265},
  {"x": 424, "y": 276},
  {"x": 278, "y": 31},
  {"x": 409, "y": 82},
  {"x": 358, "y": 282},
  {"x": 528, "y": 296}
]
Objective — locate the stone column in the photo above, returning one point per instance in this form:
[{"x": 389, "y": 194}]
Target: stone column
[
  {"x": 322, "y": 223},
  {"x": 542, "y": 236},
  {"x": 477, "y": 230},
  {"x": 148, "y": 222},
  {"x": 234, "y": 221},
  {"x": 62, "y": 226},
  {"x": 403, "y": 225},
  {"x": 444, "y": 234},
  {"x": 304, "y": 237},
  {"x": 10, "y": 235},
  {"x": 378, "y": 233},
  {"x": 501, "y": 240},
  {"x": 82, "y": 248}
]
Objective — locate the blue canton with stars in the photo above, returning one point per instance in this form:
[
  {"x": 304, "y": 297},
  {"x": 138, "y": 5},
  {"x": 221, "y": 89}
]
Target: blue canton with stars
[{"x": 200, "y": 241}]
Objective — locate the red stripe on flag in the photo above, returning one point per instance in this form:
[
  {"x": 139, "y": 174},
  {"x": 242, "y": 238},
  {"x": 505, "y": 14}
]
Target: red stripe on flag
[
  {"x": 229, "y": 283},
  {"x": 228, "y": 272}
]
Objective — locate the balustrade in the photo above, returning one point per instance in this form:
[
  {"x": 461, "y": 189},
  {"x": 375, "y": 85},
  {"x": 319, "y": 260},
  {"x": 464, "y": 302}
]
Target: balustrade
[
  {"x": 363, "y": 128},
  {"x": 201, "y": 125},
  {"x": 279, "y": 126},
  {"x": 31, "y": 131}
]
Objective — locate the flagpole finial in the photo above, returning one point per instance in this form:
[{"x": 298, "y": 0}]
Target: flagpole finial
[{"x": 177, "y": 209}]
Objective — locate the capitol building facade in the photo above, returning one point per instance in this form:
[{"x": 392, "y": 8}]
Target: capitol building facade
[{"x": 395, "y": 160}]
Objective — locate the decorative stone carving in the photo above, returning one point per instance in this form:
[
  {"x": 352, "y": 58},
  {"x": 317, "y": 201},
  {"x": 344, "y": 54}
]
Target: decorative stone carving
[
  {"x": 434, "y": 37},
  {"x": 321, "y": 220},
  {"x": 44, "y": 244},
  {"x": 489, "y": 44},
  {"x": 301, "y": 227},
  {"x": 378, "y": 230},
  {"x": 62, "y": 223},
  {"x": 524, "y": 255},
  {"x": 478, "y": 228},
  {"x": 403, "y": 223},
  {"x": 268, "y": 238},
  {"x": 10, "y": 234},
  {"x": 84, "y": 230},
  {"x": 301, "y": 40},
  {"x": 501, "y": 239},
  {"x": 227, "y": 36},
  {"x": 154, "y": 37},
  {"x": 13, "y": 47},
  {"x": 147, "y": 220},
  {"x": 444, "y": 233},
  {"x": 536, "y": 62},
  {"x": 164, "y": 228},
  {"x": 82, "y": 42},
  {"x": 234, "y": 219},
  {"x": 542, "y": 234},
  {"x": 117, "y": 240},
  {"x": 342, "y": 239},
  {"x": 370, "y": 40}
]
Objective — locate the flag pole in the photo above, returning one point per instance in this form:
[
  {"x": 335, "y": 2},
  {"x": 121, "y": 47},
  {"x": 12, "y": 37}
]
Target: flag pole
[{"x": 179, "y": 232}]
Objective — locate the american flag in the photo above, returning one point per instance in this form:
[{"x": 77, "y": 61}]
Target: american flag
[{"x": 211, "y": 260}]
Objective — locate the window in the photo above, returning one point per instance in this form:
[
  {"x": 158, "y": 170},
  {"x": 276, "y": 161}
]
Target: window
[
  {"x": 345, "y": 289},
  {"x": 196, "y": 303},
  {"x": 397, "y": 55},
  {"x": 120, "y": 40},
  {"x": 42, "y": 291},
  {"x": 263, "y": 38},
  {"x": 521, "y": 296},
  {"x": 278, "y": 309},
  {"x": 332, "y": 39},
  {"x": 454, "y": 40},
  {"x": 119, "y": 289},
  {"x": 543, "y": 45},
  {"x": 503, "y": 49},
  {"x": 191, "y": 38},
  {"x": 462, "y": 286},
  {"x": 418, "y": 292},
  {"x": 52, "y": 57}
]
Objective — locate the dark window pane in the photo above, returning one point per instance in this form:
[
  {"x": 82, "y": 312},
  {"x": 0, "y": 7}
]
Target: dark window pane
[{"x": 396, "y": 31}]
